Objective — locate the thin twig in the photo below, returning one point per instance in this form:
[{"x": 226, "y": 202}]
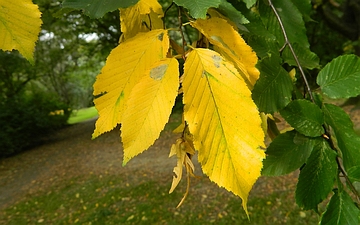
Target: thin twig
[
  {"x": 340, "y": 167},
  {"x": 166, "y": 10},
  {"x": 348, "y": 181},
  {"x": 187, "y": 186},
  {"x": 329, "y": 139},
  {"x": 287, "y": 43},
  {"x": 181, "y": 32}
]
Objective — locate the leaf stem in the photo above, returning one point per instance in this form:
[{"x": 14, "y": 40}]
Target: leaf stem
[{"x": 287, "y": 43}]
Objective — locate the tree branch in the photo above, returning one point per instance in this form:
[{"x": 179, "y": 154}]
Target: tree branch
[{"x": 287, "y": 43}]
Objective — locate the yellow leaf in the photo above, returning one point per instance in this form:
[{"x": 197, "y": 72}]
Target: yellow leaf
[
  {"x": 215, "y": 13},
  {"x": 292, "y": 74},
  {"x": 149, "y": 106},
  {"x": 20, "y": 25},
  {"x": 144, "y": 16},
  {"x": 184, "y": 150},
  {"x": 176, "y": 149},
  {"x": 124, "y": 68},
  {"x": 230, "y": 45},
  {"x": 224, "y": 122}
]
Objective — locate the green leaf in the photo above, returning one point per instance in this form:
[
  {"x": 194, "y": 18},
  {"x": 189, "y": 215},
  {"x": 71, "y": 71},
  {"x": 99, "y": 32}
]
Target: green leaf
[
  {"x": 198, "y": 8},
  {"x": 256, "y": 26},
  {"x": 288, "y": 152},
  {"x": 232, "y": 13},
  {"x": 348, "y": 140},
  {"x": 273, "y": 89},
  {"x": 304, "y": 6},
  {"x": 98, "y": 8},
  {"x": 341, "y": 210},
  {"x": 354, "y": 173},
  {"x": 306, "y": 117},
  {"x": 264, "y": 47},
  {"x": 292, "y": 21},
  {"x": 317, "y": 177},
  {"x": 257, "y": 36},
  {"x": 249, "y": 3},
  {"x": 337, "y": 118},
  {"x": 341, "y": 77},
  {"x": 307, "y": 58}
]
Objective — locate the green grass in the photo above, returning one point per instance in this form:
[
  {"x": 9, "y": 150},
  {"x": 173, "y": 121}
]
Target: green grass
[
  {"x": 111, "y": 200},
  {"x": 81, "y": 115}
]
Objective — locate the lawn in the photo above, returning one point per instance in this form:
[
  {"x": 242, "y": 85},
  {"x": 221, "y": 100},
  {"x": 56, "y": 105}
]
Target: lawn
[
  {"x": 81, "y": 115},
  {"x": 108, "y": 199}
]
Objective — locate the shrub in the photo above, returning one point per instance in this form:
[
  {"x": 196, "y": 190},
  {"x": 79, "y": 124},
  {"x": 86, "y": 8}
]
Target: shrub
[{"x": 26, "y": 119}]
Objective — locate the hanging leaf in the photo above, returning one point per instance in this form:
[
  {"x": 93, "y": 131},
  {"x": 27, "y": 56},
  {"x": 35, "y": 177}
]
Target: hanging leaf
[
  {"x": 198, "y": 8},
  {"x": 148, "y": 107},
  {"x": 184, "y": 150},
  {"x": 341, "y": 210},
  {"x": 144, "y": 16},
  {"x": 274, "y": 87},
  {"x": 126, "y": 65},
  {"x": 231, "y": 45},
  {"x": 98, "y": 8},
  {"x": 181, "y": 148},
  {"x": 224, "y": 121},
  {"x": 286, "y": 153},
  {"x": 20, "y": 25},
  {"x": 341, "y": 77},
  {"x": 306, "y": 117},
  {"x": 317, "y": 177},
  {"x": 348, "y": 140}
]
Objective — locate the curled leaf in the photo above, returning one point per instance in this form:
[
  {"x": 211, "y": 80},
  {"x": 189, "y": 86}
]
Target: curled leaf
[
  {"x": 184, "y": 150},
  {"x": 142, "y": 17}
]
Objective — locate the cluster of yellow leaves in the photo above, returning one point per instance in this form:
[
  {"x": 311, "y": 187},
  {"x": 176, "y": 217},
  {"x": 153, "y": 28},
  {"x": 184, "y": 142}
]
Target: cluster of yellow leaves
[
  {"x": 139, "y": 83},
  {"x": 137, "y": 80},
  {"x": 20, "y": 26}
]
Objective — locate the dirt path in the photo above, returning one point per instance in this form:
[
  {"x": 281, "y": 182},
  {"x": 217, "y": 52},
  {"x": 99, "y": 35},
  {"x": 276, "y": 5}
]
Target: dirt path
[{"x": 72, "y": 153}]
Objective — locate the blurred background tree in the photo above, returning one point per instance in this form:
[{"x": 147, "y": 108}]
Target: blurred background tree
[{"x": 35, "y": 100}]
